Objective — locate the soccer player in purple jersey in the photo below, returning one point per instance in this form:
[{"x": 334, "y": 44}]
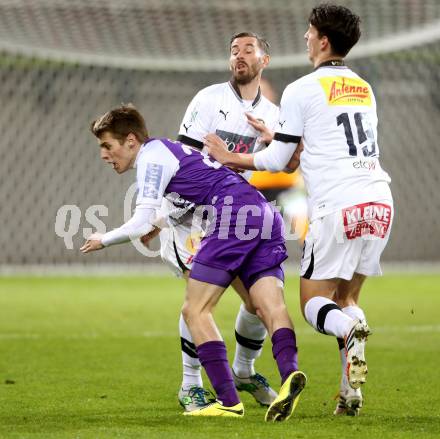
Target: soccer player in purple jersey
[
  {"x": 245, "y": 239},
  {"x": 245, "y": 119}
]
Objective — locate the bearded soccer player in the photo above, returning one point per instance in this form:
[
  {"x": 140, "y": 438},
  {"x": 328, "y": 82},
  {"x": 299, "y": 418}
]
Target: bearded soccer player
[
  {"x": 333, "y": 111},
  {"x": 245, "y": 240},
  {"x": 244, "y": 119}
]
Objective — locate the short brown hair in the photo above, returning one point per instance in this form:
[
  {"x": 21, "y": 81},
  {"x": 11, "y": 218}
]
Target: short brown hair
[
  {"x": 340, "y": 25},
  {"x": 262, "y": 43},
  {"x": 120, "y": 122}
]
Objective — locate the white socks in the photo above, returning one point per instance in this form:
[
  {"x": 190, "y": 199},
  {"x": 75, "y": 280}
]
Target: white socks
[
  {"x": 192, "y": 369},
  {"x": 354, "y": 312},
  {"x": 326, "y": 317},
  {"x": 250, "y": 334}
]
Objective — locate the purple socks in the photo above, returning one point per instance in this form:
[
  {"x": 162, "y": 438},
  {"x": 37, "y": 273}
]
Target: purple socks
[
  {"x": 285, "y": 351},
  {"x": 212, "y": 355}
]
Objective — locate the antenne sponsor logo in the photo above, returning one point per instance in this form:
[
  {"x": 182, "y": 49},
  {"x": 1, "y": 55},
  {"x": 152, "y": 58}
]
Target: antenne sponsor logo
[
  {"x": 346, "y": 91},
  {"x": 341, "y": 91}
]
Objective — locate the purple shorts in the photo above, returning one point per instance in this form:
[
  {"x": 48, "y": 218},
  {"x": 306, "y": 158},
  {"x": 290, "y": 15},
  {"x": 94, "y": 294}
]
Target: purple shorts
[{"x": 246, "y": 240}]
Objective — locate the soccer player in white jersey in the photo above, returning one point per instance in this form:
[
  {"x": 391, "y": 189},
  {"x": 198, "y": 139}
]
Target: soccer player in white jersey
[
  {"x": 244, "y": 119},
  {"x": 333, "y": 111}
]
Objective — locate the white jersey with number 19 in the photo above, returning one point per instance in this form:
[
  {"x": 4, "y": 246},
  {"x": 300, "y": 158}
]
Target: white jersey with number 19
[{"x": 333, "y": 110}]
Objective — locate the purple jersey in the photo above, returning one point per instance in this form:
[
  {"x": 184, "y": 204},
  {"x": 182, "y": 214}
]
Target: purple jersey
[
  {"x": 246, "y": 232},
  {"x": 199, "y": 178},
  {"x": 165, "y": 167}
]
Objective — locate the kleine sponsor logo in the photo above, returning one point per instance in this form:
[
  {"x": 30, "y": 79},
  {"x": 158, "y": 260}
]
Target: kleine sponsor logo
[{"x": 366, "y": 219}]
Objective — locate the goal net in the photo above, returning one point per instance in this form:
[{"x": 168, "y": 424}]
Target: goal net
[{"x": 62, "y": 62}]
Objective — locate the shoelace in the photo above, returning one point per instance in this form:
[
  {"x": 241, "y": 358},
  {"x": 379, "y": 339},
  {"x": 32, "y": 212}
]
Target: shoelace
[
  {"x": 199, "y": 394},
  {"x": 261, "y": 380}
]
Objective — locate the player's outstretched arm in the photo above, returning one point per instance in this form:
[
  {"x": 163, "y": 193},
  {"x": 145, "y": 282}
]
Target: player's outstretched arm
[
  {"x": 278, "y": 156},
  {"x": 217, "y": 150},
  {"x": 138, "y": 225}
]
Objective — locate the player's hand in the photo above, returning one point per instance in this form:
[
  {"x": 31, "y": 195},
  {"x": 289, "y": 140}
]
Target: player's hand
[
  {"x": 266, "y": 135},
  {"x": 146, "y": 239},
  {"x": 217, "y": 149},
  {"x": 93, "y": 243}
]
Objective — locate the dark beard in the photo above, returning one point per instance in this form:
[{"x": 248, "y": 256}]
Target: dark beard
[{"x": 246, "y": 79}]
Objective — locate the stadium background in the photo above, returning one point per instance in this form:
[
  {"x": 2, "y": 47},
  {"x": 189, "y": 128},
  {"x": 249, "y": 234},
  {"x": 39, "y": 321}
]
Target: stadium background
[{"x": 62, "y": 62}]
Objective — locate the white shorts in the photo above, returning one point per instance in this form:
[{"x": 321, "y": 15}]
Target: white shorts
[
  {"x": 178, "y": 246},
  {"x": 348, "y": 241}
]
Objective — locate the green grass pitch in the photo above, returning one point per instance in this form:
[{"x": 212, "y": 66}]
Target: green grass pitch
[{"x": 100, "y": 358}]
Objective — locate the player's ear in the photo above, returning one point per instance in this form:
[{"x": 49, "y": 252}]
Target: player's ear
[
  {"x": 265, "y": 59},
  {"x": 324, "y": 43},
  {"x": 131, "y": 140}
]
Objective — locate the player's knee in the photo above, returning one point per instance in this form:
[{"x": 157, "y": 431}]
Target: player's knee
[
  {"x": 188, "y": 312},
  {"x": 193, "y": 312},
  {"x": 271, "y": 313}
]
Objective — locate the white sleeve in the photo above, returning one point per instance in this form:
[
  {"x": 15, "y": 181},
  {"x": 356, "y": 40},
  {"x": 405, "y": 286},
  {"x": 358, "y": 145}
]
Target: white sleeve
[
  {"x": 138, "y": 225},
  {"x": 292, "y": 111},
  {"x": 196, "y": 123},
  {"x": 155, "y": 169},
  {"x": 275, "y": 157},
  {"x": 156, "y": 166}
]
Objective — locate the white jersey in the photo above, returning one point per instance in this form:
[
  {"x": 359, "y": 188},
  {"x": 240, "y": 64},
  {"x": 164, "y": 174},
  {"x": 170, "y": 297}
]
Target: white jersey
[
  {"x": 220, "y": 109},
  {"x": 216, "y": 109},
  {"x": 333, "y": 110}
]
